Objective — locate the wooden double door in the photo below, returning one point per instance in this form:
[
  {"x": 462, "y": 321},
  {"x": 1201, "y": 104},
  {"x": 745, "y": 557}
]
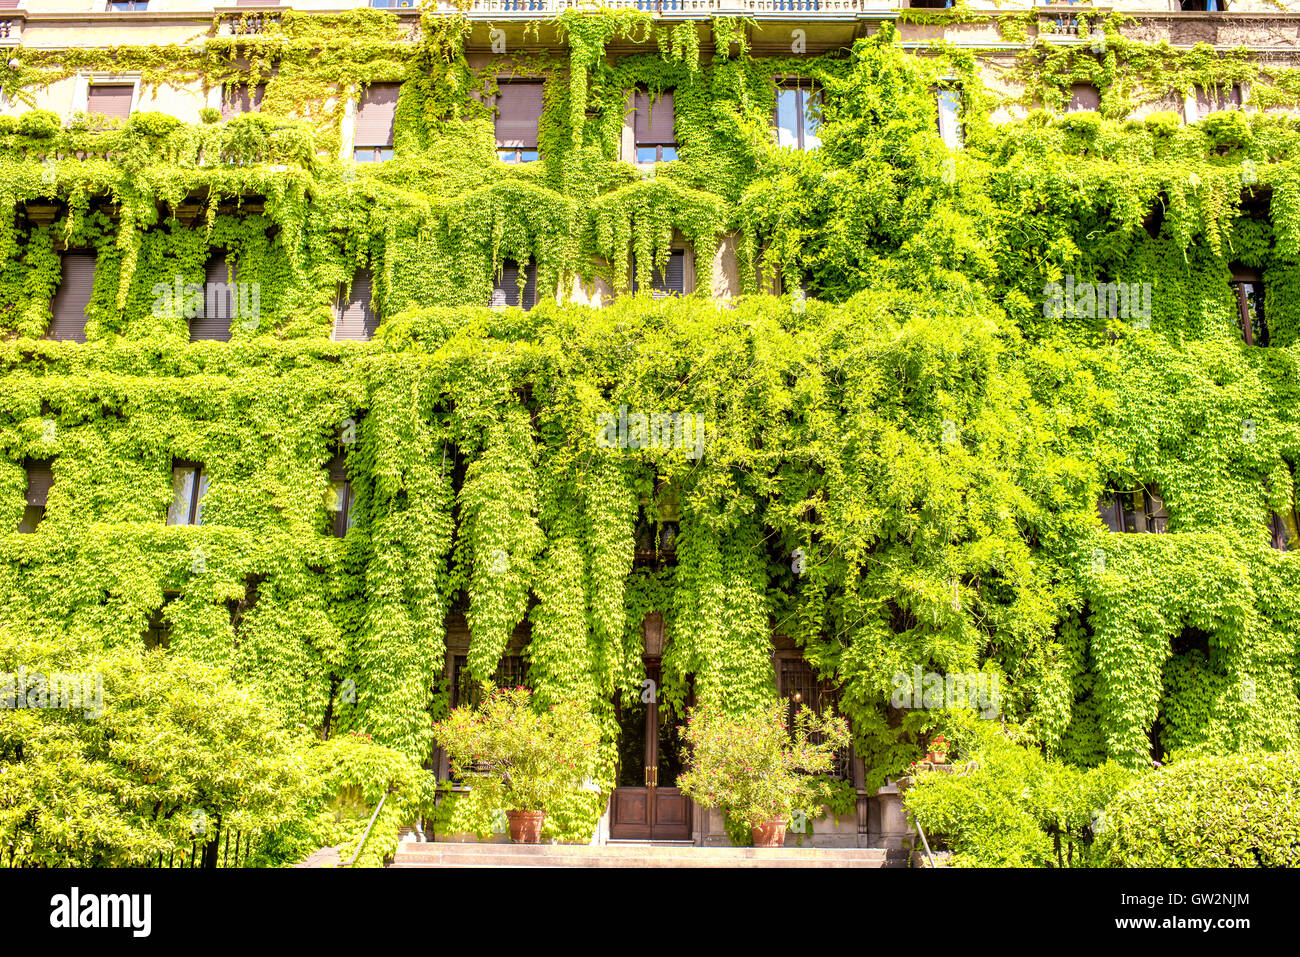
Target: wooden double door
[{"x": 647, "y": 805}]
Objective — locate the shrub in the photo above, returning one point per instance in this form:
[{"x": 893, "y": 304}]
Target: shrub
[
  {"x": 750, "y": 765},
  {"x": 41, "y": 124},
  {"x": 1242, "y": 810},
  {"x": 516, "y": 759},
  {"x": 1005, "y": 805}
]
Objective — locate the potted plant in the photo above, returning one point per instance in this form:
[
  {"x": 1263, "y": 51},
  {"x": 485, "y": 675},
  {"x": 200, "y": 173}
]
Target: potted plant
[
  {"x": 519, "y": 758},
  {"x": 755, "y": 767},
  {"x": 937, "y": 750}
]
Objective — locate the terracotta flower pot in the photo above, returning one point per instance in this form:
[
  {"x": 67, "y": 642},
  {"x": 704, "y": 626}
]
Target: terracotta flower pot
[
  {"x": 771, "y": 834},
  {"x": 525, "y": 826}
]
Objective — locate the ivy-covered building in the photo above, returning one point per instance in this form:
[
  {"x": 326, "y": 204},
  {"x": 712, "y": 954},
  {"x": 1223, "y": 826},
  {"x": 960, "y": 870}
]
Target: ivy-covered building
[{"x": 672, "y": 353}]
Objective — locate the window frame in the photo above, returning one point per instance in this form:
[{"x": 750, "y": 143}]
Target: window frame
[
  {"x": 198, "y": 490},
  {"x": 657, "y": 145},
  {"x": 340, "y": 486},
  {"x": 517, "y": 154},
  {"x": 1253, "y": 279},
  {"x": 805, "y": 100}
]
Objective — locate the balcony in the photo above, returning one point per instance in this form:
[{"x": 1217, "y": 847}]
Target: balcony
[{"x": 682, "y": 9}]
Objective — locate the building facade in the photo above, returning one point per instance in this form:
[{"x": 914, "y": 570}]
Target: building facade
[{"x": 247, "y": 418}]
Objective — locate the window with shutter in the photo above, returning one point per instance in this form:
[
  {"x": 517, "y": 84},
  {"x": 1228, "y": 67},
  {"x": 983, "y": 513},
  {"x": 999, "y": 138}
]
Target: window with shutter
[
  {"x": 240, "y": 98},
  {"x": 506, "y": 291},
  {"x": 111, "y": 99},
  {"x": 518, "y": 111},
  {"x": 373, "y": 131},
  {"x": 1202, "y": 6},
  {"x": 654, "y": 127},
  {"x": 339, "y": 502},
  {"x": 189, "y": 485},
  {"x": 795, "y": 119},
  {"x": 1248, "y": 292},
  {"x": 128, "y": 6},
  {"x": 1084, "y": 96},
  {"x": 357, "y": 318},
  {"x": 220, "y": 302},
  {"x": 40, "y": 478},
  {"x": 68, "y": 309},
  {"x": 668, "y": 281}
]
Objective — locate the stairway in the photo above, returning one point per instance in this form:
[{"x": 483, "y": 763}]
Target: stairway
[{"x": 438, "y": 854}]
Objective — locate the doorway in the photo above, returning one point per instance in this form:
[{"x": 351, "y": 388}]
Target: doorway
[{"x": 646, "y": 804}]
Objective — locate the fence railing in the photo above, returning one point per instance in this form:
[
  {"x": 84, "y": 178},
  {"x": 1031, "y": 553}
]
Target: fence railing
[{"x": 229, "y": 849}]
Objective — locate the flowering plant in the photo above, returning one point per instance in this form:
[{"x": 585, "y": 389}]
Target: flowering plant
[
  {"x": 514, "y": 756},
  {"x": 754, "y": 766}
]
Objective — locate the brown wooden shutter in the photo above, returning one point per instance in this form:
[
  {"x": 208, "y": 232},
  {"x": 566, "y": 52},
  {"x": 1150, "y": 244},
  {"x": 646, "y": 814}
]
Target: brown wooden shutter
[
  {"x": 357, "y": 317},
  {"x": 654, "y": 122},
  {"x": 8, "y": 4},
  {"x": 519, "y": 107},
  {"x": 375, "y": 112},
  {"x": 220, "y": 300},
  {"x": 40, "y": 479},
  {"x": 111, "y": 99},
  {"x": 1084, "y": 96},
  {"x": 69, "y": 306}
]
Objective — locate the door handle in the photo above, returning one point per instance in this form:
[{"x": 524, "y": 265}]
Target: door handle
[{"x": 651, "y": 777}]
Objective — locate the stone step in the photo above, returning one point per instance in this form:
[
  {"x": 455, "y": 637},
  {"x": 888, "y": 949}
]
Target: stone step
[{"x": 450, "y": 854}]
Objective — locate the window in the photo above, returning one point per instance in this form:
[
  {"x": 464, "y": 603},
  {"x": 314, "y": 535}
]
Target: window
[
  {"x": 189, "y": 485},
  {"x": 220, "y": 302},
  {"x": 506, "y": 290},
  {"x": 158, "y": 632},
  {"x": 40, "y": 478},
  {"x": 1142, "y": 510},
  {"x": 1282, "y": 529},
  {"x": 655, "y": 541},
  {"x": 796, "y": 119},
  {"x": 656, "y": 139},
  {"x": 356, "y": 317},
  {"x": 930, "y": 4},
  {"x": 1248, "y": 291},
  {"x": 1083, "y": 96},
  {"x": 1213, "y": 99},
  {"x": 68, "y": 309},
  {"x": 519, "y": 107},
  {"x": 240, "y": 98},
  {"x": 339, "y": 503},
  {"x": 668, "y": 281},
  {"x": 373, "y": 132},
  {"x": 112, "y": 100},
  {"x": 950, "y": 117},
  {"x": 800, "y": 686},
  {"x": 128, "y": 6},
  {"x": 394, "y": 4},
  {"x": 1203, "y": 6},
  {"x": 511, "y": 673}
]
